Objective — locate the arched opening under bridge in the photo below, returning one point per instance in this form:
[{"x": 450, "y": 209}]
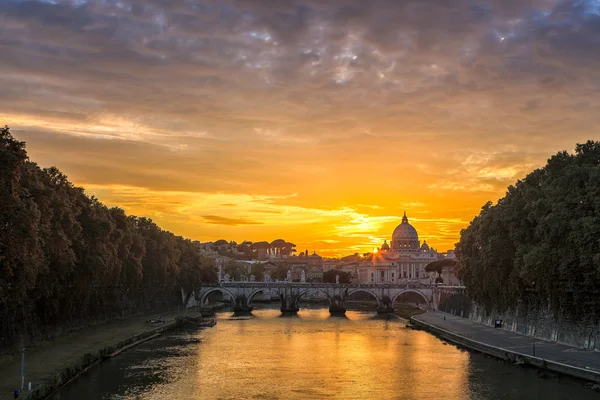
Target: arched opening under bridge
[
  {"x": 215, "y": 296},
  {"x": 363, "y": 299},
  {"x": 410, "y": 297},
  {"x": 261, "y": 296},
  {"x": 315, "y": 297}
]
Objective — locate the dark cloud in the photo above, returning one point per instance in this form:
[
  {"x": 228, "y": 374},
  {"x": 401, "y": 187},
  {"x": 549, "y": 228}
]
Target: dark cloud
[{"x": 227, "y": 94}]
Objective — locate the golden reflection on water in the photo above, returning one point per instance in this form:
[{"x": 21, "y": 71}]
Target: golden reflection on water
[
  {"x": 315, "y": 356},
  {"x": 311, "y": 356}
]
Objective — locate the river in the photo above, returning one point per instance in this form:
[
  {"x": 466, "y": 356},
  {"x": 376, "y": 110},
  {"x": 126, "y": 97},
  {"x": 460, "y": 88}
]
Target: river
[{"x": 311, "y": 356}]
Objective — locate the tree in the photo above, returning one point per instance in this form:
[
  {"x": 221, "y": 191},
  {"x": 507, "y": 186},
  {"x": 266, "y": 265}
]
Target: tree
[
  {"x": 538, "y": 246},
  {"x": 236, "y": 270},
  {"x": 439, "y": 265},
  {"x": 68, "y": 260},
  {"x": 280, "y": 273},
  {"x": 329, "y": 276},
  {"x": 21, "y": 253},
  {"x": 288, "y": 248},
  {"x": 258, "y": 270},
  {"x": 256, "y": 246}
]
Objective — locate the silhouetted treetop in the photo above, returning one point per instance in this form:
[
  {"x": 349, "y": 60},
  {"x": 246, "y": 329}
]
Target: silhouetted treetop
[{"x": 539, "y": 246}]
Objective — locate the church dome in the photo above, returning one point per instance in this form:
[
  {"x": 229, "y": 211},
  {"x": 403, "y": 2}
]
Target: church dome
[
  {"x": 405, "y": 231},
  {"x": 385, "y": 246},
  {"x": 405, "y": 237},
  {"x": 425, "y": 246}
]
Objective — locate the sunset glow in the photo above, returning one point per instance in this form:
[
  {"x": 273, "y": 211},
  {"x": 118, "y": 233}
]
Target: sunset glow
[{"x": 317, "y": 122}]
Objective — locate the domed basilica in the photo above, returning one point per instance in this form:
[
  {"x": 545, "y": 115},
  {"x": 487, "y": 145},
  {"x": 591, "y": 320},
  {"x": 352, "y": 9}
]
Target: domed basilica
[{"x": 402, "y": 261}]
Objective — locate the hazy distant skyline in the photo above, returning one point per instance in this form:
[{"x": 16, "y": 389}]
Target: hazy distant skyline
[{"x": 319, "y": 122}]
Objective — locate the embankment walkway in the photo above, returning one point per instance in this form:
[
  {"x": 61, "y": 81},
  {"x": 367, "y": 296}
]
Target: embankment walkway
[
  {"x": 512, "y": 346},
  {"x": 45, "y": 362}
]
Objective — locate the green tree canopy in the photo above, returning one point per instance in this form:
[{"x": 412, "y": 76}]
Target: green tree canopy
[
  {"x": 66, "y": 258},
  {"x": 329, "y": 276},
  {"x": 540, "y": 245},
  {"x": 439, "y": 265}
]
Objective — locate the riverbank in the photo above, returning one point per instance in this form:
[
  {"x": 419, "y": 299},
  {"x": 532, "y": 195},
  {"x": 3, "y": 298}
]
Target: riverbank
[
  {"x": 512, "y": 347},
  {"x": 55, "y": 363},
  {"x": 407, "y": 311}
]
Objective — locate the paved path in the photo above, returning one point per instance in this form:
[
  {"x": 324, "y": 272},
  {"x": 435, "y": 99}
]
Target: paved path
[
  {"x": 513, "y": 341},
  {"x": 45, "y": 361}
]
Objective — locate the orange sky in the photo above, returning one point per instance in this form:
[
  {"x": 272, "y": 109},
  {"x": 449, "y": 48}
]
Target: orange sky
[{"x": 316, "y": 122}]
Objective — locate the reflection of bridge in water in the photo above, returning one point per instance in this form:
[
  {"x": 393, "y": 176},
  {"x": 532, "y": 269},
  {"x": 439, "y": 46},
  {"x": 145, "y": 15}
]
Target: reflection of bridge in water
[{"x": 290, "y": 294}]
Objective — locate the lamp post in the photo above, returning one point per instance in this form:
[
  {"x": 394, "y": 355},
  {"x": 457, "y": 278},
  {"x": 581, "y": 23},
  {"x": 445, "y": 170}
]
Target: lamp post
[{"x": 23, "y": 369}]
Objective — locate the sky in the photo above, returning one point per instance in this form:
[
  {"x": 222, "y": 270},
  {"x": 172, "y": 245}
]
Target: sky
[{"x": 319, "y": 122}]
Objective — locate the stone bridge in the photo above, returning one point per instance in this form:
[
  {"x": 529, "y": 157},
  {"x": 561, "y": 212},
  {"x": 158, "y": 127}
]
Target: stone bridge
[{"x": 290, "y": 294}]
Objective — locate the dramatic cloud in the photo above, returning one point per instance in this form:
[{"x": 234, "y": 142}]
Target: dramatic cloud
[{"x": 346, "y": 112}]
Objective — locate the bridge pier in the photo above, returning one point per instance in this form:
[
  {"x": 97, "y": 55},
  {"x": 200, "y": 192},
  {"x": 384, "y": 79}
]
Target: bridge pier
[
  {"x": 337, "y": 306},
  {"x": 241, "y": 304},
  {"x": 385, "y": 307},
  {"x": 289, "y": 310},
  {"x": 385, "y": 310},
  {"x": 337, "y": 310},
  {"x": 289, "y": 302}
]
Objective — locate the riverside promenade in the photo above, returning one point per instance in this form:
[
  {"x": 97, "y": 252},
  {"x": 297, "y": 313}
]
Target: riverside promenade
[
  {"x": 511, "y": 346},
  {"x": 46, "y": 363}
]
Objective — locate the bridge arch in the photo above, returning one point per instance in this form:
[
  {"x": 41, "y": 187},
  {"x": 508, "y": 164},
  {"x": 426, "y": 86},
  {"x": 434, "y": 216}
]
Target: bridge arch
[
  {"x": 365, "y": 290},
  {"x": 425, "y": 299},
  {"x": 257, "y": 291},
  {"x": 304, "y": 292},
  {"x": 216, "y": 289}
]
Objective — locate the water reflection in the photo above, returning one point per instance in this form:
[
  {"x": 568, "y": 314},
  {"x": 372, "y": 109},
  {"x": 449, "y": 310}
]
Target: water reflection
[{"x": 311, "y": 356}]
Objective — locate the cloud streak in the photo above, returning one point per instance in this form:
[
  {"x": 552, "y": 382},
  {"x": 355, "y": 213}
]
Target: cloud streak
[{"x": 220, "y": 220}]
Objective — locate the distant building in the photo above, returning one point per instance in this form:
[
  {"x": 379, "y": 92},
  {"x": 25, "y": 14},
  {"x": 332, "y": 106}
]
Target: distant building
[
  {"x": 330, "y": 264},
  {"x": 403, "y": 260},
  {"x": 269, "y": 269},
  {"x": 261, "y": 253},
  {"x": 314, "y": 274},
  {"x": 296, "y": 265}
]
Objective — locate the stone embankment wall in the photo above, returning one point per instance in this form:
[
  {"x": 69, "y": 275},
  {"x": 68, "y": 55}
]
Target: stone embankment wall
[
  {"x": 541, "y": 325},
  {"x": 506, "y": 354},
  {"x": 535, "y": 323},
  {"x": 90, "y": 359}
]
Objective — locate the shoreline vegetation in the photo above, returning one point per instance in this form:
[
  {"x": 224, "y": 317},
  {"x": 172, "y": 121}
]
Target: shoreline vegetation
[
  {"x": 537, "y": 248},
  {"x": 67, "y": 261}
]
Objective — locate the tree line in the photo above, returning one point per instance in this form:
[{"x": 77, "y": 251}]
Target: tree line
[
  {"x": 539, "y": 246},
  {"x": 248, "y": 250},
  {"x": 66, "y": 259}
]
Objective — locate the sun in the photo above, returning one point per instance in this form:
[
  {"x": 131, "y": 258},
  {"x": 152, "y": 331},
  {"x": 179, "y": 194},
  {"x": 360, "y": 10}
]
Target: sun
[{"x": 375, "y": 251}]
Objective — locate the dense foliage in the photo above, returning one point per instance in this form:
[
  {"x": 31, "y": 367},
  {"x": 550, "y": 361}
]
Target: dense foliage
[
  {"x": 252, "y": 250},
  {"x": 540, "y": 245},
  {"x": 65, "y": 257},
  {"x": 439, "y": 265},
  {"x": 329, "y": 276}
]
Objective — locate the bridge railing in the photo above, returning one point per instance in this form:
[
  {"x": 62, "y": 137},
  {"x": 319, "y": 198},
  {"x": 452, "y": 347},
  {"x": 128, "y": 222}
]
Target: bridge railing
[{"x": 412, "y": 285}]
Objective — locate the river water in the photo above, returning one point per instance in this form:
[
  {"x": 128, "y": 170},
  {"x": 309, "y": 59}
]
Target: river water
[{"x": 311, "y": 356}]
